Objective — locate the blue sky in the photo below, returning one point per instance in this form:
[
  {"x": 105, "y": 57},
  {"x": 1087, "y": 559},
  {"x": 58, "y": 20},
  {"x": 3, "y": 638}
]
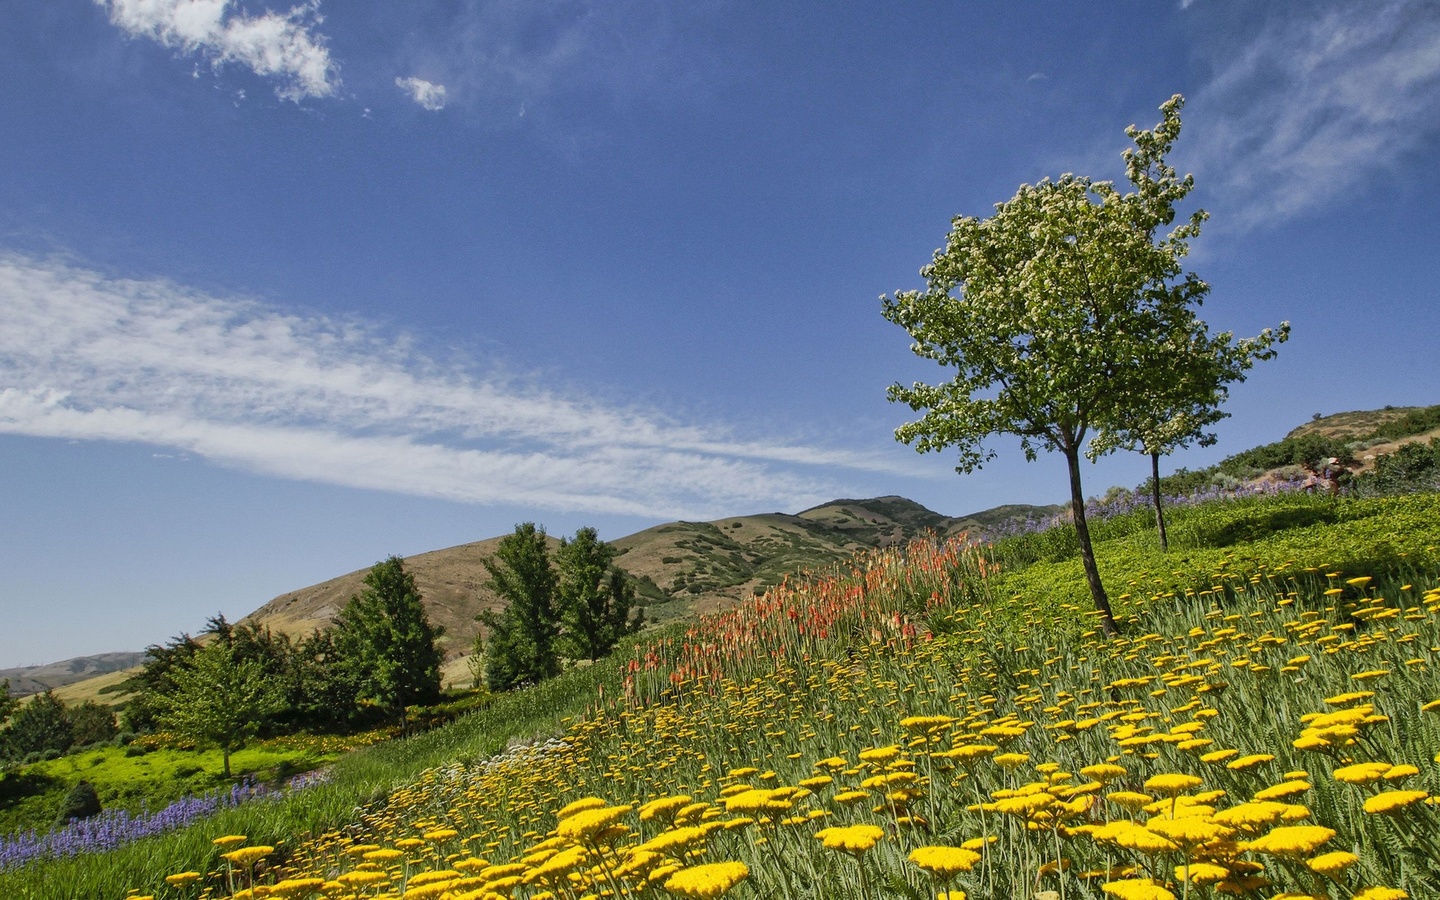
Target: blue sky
[{"x": 284, "y": 290}]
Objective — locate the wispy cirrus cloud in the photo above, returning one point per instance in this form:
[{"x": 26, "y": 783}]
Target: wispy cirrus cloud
[
  {"x": 1320, "y": 99},
  {"x": 284, "y": 46},
  {"x": 89, "y": 357}
]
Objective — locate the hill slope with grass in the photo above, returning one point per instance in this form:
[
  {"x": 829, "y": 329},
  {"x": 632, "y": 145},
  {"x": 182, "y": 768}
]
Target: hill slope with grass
[
  {"x": 926, "y": 717},
  {"x": 681, "y": 568}
]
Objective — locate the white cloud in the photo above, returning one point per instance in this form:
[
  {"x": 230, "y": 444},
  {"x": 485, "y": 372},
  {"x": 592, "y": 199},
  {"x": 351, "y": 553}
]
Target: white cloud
[
  {"x": 87, "y": 357},
  {"x": 1315, "y": 104},
  {"x": 430, "y": 96},
  {"x": 285, "y": 46}
]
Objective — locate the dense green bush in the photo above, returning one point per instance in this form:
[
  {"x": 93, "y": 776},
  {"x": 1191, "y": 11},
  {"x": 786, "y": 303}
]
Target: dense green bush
[{"x": 1414, "y": 467}]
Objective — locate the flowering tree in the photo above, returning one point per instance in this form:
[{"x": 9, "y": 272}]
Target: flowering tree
[{"x": 1049, "y": 312}]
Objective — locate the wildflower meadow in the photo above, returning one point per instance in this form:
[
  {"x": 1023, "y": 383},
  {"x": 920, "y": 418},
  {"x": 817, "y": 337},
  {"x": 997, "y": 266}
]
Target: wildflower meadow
[{"x": 921, "y": 724}]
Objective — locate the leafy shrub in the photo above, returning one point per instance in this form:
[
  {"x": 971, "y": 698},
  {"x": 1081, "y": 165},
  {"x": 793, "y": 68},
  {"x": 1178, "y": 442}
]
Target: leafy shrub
[
  {"x": 1413, "y": 467},
  {"x": 81, "y": 802}
]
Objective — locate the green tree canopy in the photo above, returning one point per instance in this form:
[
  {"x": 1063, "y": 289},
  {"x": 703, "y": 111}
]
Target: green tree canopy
[
  {"x": 7, "y": 702},
  {"x": 595, "y": 597},
  {"x": 388, "y": 642},
  {"x": 1185, "y": 376},
  {"x": 219, "y": 699},
  {"x": 520, "y": 644},
  {"x": 38, "y": 726},
  {"x": 1047, "y": 312}
]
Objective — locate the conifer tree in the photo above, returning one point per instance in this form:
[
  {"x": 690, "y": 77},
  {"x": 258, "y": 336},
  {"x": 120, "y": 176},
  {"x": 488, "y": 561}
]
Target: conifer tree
[
  {"x": 520, "y": 645},
  {"x": 388, "y": 642},
  {"x": 595, "y": 597}
]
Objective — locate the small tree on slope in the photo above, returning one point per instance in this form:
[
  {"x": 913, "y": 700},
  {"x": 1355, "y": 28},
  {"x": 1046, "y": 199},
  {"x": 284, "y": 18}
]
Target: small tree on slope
[{"x": 1047, "y": 311}]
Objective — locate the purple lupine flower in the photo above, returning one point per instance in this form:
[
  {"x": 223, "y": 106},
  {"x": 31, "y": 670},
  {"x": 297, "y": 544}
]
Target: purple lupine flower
[{"x": 115, "y": 827}]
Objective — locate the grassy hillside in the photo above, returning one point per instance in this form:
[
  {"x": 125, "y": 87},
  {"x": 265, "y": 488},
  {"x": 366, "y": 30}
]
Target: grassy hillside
[
  {"x": 1266, "y": 723},
  {"x": 681, "y": 568}
]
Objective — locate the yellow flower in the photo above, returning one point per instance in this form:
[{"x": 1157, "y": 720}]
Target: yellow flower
[
  {"x": 1247, "y": 762},
  {"x": 1332, "y": 863},
  {"x": 248, "y": 856},
  {"x": 1103, "y": 772},
  {"x": 383, "y": 855},
  {"x": 709, "y": 880},
  {"x": 1138, "y": 837},
  {"x": 580, "y": 805},
  {"x": 180, "y": 879},
  {"x": 1283, "y": 789},
  {"x": 944, "y": 862},
  {"x": 1172, "y": 783},
  {"x": 1292, "y": 840},
  {"x": 1131, "y": 800},
  {"x": 1362, "y": 773},
  {"x": 854, "y": 839},
  {"x": 440, "y": 834},
  {"x": 588, "y": 823},
  {"x": 1380, "y": 893},
  {"x": 230, "y": 840},
  {"x": 360, "y": 878},
  {"x": 1201, "y": 873},
  {"x": 1137, "y": 889},
  {"x": 1391, "y": 801},
  {"x": 663, "y": 808},
  {"x": 1011, "y": 760},
  {"x": 1189, "y": 830}
]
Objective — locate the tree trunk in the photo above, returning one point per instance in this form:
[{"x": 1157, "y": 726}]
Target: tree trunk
[
  {"x": 1087, "y": 552},
  {"x": 1155, "y": 495}
]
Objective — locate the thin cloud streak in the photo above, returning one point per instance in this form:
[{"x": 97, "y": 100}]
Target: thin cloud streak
[
  {"x": 1315, "y": 105},
  {"x": 273, "y": 45},
  {"x": 428, "y": 95},
  {"x": 87, "y": 357}
]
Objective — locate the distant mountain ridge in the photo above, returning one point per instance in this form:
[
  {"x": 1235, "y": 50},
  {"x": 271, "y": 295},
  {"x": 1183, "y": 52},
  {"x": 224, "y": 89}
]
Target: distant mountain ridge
[{"x": 26, "y": 680}]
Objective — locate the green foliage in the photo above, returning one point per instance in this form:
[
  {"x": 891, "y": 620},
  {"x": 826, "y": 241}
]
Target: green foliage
[
  {"x": 220, "y": 699},
  {"x": 38, "y": 726},
  {"x": 1073, "y": 317},
  {"x": 81, "y": 802},
  {"x": 387, "y": 641},
  {"x": 91, "y": 723},
  {"x": 1413, "y": 467},
  {"x": 595, "y": 598},
  {"x": 7, "y": 702},
  {"x": 1416, "y": 421},
  {"x": 149, "y": 686},
  {"x": 1391, "y": 539},
  {"x": 520, "y": 644},
  {"x": 1309, "y": 450}
]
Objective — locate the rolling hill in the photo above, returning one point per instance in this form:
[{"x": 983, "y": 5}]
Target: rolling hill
[{"x": 680, "y": 568}]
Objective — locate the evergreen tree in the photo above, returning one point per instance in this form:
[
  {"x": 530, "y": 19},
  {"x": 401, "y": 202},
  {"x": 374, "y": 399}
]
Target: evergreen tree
[
  {"x": 388, "y": 642},
  {"x": 91, "y": 723},
  {"x": 520, "y": 646},
  {"x": 7, "y": 702},
  {"x": 80, "y": 802},
  {"x": 595, "y": 597}
]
